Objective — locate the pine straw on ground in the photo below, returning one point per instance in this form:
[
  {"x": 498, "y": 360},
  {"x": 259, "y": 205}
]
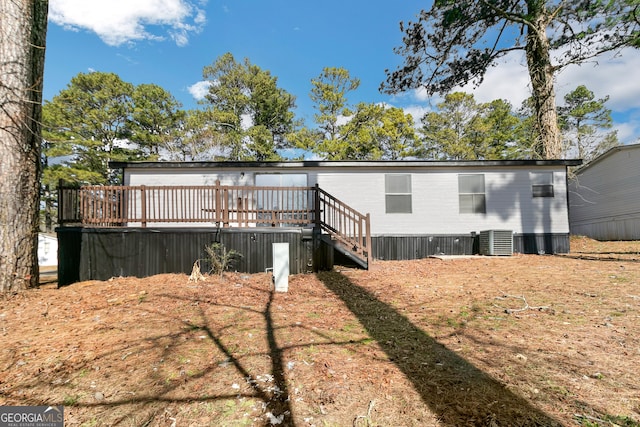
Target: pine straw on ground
[{"x": 526, "y": 340}]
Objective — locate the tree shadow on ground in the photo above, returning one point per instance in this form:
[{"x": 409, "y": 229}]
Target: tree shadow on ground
[
  {"x": 454, "y": 389},
  {"x": 145, "y": 406},
  {"x": 276, "y": 399}
]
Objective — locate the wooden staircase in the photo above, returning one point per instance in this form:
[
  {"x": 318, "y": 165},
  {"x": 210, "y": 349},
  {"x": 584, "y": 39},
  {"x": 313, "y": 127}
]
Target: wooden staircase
[{"x": 347, "y": 230}]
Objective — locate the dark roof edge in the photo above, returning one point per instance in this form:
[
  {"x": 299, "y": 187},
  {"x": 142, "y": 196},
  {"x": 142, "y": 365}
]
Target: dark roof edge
[{"x": 346, "y": 163}]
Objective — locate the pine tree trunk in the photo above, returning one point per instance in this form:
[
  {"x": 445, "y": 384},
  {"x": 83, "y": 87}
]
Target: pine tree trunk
[
  {"x": 22, "y": 43},
  {"x": 541, "y": 72}
]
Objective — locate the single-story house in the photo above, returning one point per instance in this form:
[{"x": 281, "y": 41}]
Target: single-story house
[
  {"x": 364, "y": 210},
  {"x": 604, "y": 196}
]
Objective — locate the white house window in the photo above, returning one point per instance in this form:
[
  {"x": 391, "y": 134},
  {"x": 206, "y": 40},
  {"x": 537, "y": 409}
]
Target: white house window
[
  {"x": 289, "y": 204},
  {"x": 541, "y": 184},
  {"x": 471, "y": 193},
  {"x": 397, "y": 188},
  {"x": 281, "y": 180}
]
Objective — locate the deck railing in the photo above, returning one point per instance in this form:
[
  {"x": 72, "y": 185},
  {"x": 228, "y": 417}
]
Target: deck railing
[{"x": 221, "y": 205}]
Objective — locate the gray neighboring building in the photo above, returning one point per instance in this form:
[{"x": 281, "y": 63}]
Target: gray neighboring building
[{"x": 604, "y": 196}]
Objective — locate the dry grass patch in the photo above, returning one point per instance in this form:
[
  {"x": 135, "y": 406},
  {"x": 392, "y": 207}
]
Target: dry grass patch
[{"x": 522, "y": 340}]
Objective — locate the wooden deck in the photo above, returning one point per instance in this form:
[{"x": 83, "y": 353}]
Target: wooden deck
[{"x": 224, "y": 206}]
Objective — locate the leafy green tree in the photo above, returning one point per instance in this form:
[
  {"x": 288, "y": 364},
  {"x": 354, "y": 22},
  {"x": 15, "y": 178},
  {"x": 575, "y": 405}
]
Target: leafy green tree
[
  {"x": 397, "y": 136},
  {"x": 583, "y": 120},
  {"x": 252, "y": 114},
  {"x": 357, "y": 138},
  {"x": 100, "y": 118},
  {"x": 198, "y": 138},
  {"x": 505, "y": 139},
  {"x": 377, "y": 132},
  {"x": 464, "y": 129},
  {"x": 448, "y": 134},
  {"x": 329, "y": 94},
  {"x": 455, "y": 42},
  {"x": 22, "y": 46},
  {"x": 89, "y": 123},
  {"x": 155, "y": 119},
  {"x": 364, "y": 132}
]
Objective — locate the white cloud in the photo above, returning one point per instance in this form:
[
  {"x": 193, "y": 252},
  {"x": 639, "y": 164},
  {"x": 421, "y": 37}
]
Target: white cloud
[
  {"x": 628, "y": 132},
  {"x": 609, "y": 75},
  {"x": 421, "y": 94},
  {"x": 246, "y": 121},
  {"x": 417, "y": 112},
  {"x": 200, "y": 89},
  {"x": 343, "y": 120},
  {"x": 121, "y": 21},
  {"x": 508, "y": 80}
]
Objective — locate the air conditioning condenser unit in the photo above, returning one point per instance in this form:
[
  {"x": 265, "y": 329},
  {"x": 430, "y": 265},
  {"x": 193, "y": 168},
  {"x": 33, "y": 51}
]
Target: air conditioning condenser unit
[{"x": 496, "y": 242}]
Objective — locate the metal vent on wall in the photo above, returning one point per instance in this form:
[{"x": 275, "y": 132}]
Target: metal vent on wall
[{"x": 496, "y": 242}]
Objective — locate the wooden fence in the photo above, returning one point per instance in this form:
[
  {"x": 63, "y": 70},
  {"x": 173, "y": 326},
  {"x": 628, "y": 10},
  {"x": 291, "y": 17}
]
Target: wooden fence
[{"x": 221, "y": 205}]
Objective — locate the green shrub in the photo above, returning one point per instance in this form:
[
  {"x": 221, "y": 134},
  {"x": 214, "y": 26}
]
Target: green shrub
[{"x": 221, "y": 259}]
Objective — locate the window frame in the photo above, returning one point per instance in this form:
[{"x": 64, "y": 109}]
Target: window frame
[
  {"x": 278, "y": 180},
  {"x": 478, "y": 199},
  {"x": 540, "y": 186},
  {"x": 279, "y": 176},
  {"x": 405, "y": 207}
]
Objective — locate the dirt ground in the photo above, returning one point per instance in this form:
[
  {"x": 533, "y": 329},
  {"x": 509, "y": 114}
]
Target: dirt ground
[{"x": 527, "y": 340}]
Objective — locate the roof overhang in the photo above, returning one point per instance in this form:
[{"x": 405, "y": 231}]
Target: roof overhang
[{"x": 345, "y": 164}]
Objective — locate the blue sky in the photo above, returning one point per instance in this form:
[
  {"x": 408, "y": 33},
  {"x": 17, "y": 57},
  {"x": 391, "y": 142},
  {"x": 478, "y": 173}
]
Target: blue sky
[{"x": 168, "y": 42}]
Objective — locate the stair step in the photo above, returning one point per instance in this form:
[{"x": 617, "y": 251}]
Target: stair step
[{"x": 340, "y": 247}]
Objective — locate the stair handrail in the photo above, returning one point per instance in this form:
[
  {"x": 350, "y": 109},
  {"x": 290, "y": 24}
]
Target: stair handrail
[{"x": 343, "y": 223}]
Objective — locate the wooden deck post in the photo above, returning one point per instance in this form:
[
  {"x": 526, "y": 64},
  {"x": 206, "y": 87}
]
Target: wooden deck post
[
  {"x": 143, "y": 206},
  {"x": 225, "y": 208},
  {"x": 217, "y": 201},
  {"x": 368, "y": 239},
  {"x": 316, "y": 206}
]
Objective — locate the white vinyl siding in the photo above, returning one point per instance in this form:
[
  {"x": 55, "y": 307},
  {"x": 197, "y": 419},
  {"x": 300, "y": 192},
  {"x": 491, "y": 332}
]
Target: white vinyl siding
[
  {"x": 435, "y": 206},
  {"x": 434, "y": 195}
]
